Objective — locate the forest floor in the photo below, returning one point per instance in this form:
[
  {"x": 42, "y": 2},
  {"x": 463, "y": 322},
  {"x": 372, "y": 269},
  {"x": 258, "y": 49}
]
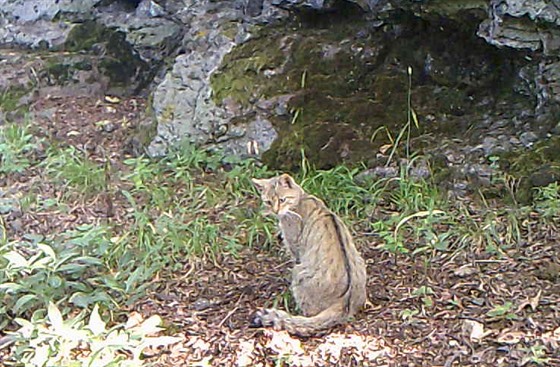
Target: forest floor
[{"x": 478, "y": 284}]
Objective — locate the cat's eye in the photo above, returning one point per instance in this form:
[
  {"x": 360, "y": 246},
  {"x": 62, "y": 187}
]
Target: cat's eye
[
  {"x": 268, "y": 202},
  {"x": 283, "y": 200}
]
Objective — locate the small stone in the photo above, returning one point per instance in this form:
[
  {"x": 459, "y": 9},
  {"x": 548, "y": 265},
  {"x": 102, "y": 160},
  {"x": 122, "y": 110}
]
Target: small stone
[
  {"x": 489, "y": 145},
  {"x": 528, "y": 138},
  {"x": 514, "y": 141},
  {"x": 110, "y": 127},
  {"x": 500, "y": 123},
  {"x": 201, "y": 304}
]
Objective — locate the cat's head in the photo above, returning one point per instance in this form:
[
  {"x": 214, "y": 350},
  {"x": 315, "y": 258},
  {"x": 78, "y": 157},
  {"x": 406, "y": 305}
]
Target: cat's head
[{"x": 279, "y": 194}]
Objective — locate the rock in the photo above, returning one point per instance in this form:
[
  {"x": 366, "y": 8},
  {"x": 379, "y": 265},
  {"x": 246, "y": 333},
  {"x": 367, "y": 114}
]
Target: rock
[
  {"x": 149, "y": 34},
  {"x": 30, "y": 23},
  {"x": 183, "y": 103},
  {"x": 253, "y": 8},
  {"x": 489, "y": 145},
  {"x": 513, "y": 23},
  {"x": 150, "y": 9},
  {"x": 528, "y": 138},
  {"x": 110, "y": 127},
  {"x": 333, "y": 81},
  {"x": 129, "y": 49},
  {"x": 202, "y": 304}
]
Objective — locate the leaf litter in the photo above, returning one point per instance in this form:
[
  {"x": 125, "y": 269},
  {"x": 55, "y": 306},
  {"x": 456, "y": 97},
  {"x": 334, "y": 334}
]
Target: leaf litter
[{"x": 481, "y": 311}]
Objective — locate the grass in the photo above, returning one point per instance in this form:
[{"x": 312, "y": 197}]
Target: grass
[
  {"x": 74, "y": 173},
  {"x": 198, "y": 206},
  {"x": 16, "y": 147}
]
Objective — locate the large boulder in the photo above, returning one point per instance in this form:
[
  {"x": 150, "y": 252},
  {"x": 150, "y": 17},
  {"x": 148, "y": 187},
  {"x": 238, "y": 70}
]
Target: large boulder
[
  {"x": 183, "y": 104},
  {"x": 256, "y": 81},
  {"x": 110, "y": 47}
]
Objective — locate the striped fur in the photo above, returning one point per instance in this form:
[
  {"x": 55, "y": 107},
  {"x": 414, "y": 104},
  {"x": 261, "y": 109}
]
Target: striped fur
[{"x": 329, "y": 275}]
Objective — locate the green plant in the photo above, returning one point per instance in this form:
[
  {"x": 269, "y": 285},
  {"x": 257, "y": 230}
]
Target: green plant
[
  {"x": 503, "y": 311},
  {"x": 535, "y": 354},
  {"x": 425, "y": 293},
  {"x": 408, "y": 314},
  {"x": 392, "y": 241},
  {"x": 73, "y": 169},
  {"x": 412, "y": 195},
  {"x": 84, "y": 341},
  {"x": 547, "y": 200},
  {"x": 16, "y": 145},
  {"x": 410, "y": 117},
  {"x": 35, "y": 273},
  {"x": 337, "y": 187}
]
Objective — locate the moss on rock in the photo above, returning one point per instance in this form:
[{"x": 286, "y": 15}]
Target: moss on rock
[
  {"x": 537, "y": 167},
  {"x": 347, "y": 83},
  {"x": 118, "y": 61}
]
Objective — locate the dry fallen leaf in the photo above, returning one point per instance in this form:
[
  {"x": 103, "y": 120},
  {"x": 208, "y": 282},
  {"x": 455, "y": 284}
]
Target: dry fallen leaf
[
  {"x": 134, "y": 319},
  {"x": 384, "y": 148},
  {"x": 475, "y": 330},
  {"x": 111, "y": 99},
  {"x": 245, "y": 353},
  {"x": 465, "y": 271},
  {"x": 510, "y": 337},
  {"x": 552, "y": 338},
  {"x": 282, "y": 343}
]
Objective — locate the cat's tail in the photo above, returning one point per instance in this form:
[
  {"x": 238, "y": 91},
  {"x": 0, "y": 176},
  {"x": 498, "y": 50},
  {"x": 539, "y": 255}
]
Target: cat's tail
[{"x": 301, "y": 325}]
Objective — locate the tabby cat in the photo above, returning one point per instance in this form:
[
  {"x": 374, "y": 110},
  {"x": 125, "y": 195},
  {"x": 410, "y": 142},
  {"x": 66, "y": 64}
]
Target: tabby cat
[{"x": 329, "y": 275}]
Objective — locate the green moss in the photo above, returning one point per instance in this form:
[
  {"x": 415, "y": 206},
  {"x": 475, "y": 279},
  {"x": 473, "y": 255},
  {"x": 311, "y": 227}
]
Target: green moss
[
  {"x": 451, "y": 8},
  {"x": 332, "y": 109},
  {"x": 9, "y": 99},
  {"x": 242, "y": 74},
  {"x": 346, "y": 89},
  {"x": 536, "y": 167},
  {"x": 83, "y": 36},
  {"x": 119, "y": 62}
]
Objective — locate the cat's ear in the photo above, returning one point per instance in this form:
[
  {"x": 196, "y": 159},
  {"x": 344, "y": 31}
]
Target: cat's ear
[
  {"x": 260, "y": 184},
  {"x": 286, "y": 181}
]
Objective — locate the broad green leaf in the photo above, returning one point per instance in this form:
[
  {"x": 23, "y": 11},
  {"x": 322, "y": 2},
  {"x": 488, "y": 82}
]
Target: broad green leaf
[
  {"x": 96, "y": 324},
  {"x": 22, "y": 301},
  {"x": 55, "y": 317},
  {"x": 41, "y": 356},
  {"x": 81, "y": 299},
  {"x": 47, "y": 250},
  {"x": 16, "y": 259},
  {"x": 89, "y": 260},
  {"x": 500, "y": 310},
  {"x": 150, "y": 325},
  {"x": 11, "y": 287}
]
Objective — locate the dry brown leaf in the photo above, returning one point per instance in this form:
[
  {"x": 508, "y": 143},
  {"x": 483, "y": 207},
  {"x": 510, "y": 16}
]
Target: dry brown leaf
[
  {"x": 134, "y": 319},
  {"x": 552, "y": 339},
  {"x": 475, "y": 330},
  {"x": 465, "y": 271},
  {"x": 533, "y": 302},
  {"x": 282, "y": 343},
  {"x": 384, "y": 148},
  {"x": 245, "y": 353},
  {"x": 510, "y": 337}
]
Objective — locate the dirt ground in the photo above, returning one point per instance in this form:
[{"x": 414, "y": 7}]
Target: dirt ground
[{"x": 209, "y": 305}]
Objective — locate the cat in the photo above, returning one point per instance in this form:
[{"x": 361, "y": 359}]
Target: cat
[{"x": 329, "y": 275}]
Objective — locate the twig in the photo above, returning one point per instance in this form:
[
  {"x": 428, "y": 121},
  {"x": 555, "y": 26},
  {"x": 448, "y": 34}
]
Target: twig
[{"x": 227, "y": 316}]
